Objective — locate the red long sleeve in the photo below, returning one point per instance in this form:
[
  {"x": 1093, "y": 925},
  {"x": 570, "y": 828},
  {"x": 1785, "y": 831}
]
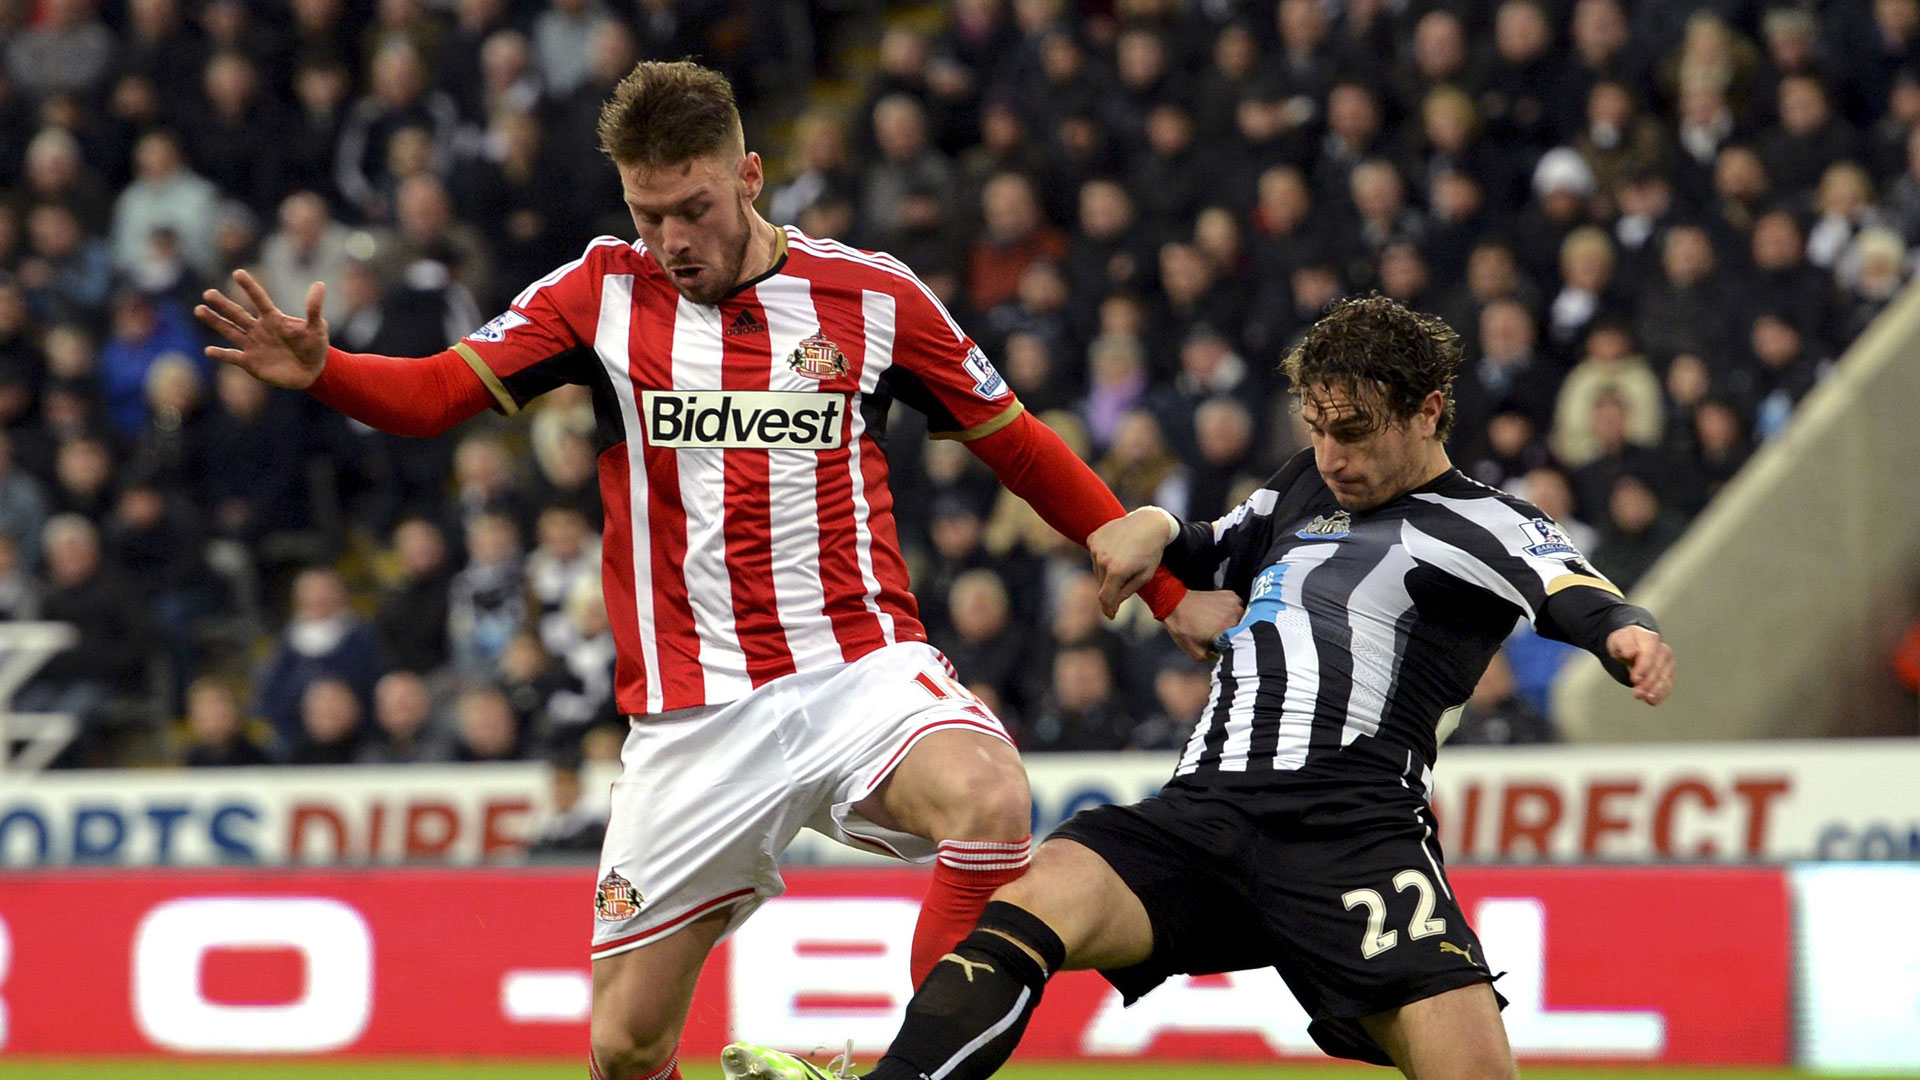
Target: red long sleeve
[
  {"x": 1034, "y": 464},
  {"x": 417, "y": 396}
]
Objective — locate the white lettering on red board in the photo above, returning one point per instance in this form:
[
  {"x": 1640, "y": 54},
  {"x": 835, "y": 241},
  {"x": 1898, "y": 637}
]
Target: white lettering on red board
[{"x": 333, "y": 1009}]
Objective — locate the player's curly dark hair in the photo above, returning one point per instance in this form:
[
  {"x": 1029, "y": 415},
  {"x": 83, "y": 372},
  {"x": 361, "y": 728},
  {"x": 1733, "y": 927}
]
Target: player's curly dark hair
[
  {"x": 1374, "y": 347},
  {"x": 667, "y": 112}
]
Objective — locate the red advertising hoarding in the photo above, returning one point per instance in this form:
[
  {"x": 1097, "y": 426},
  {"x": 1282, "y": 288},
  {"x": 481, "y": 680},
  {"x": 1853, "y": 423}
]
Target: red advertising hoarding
[{"x": 1673, "y": 965}]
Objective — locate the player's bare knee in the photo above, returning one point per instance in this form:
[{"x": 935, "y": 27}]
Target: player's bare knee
[
  {"x": 623, "y": 1053},
  {"x": 985, "y": 800}
]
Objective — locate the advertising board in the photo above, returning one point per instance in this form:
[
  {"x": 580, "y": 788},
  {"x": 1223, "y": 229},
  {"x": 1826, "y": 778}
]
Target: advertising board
[{"x": 1607, "y": 963}]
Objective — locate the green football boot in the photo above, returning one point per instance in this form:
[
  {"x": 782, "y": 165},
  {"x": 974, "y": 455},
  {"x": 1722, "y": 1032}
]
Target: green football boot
[{"x": 745, "y": 1061}]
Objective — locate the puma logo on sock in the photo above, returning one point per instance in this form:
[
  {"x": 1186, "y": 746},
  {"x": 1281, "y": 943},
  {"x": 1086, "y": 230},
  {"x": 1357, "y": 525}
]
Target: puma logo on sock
[{"x": 966, "y": 964}]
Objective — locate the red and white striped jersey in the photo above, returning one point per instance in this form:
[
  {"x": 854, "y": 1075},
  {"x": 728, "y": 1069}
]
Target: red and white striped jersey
[{"x": 749, "y": 529}]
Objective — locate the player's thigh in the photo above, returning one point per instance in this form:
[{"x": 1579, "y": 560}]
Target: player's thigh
[
  {"x": 1073, "y": 890},
  {"x": 641, "y": 996},
  {"x": 1455, "y": 1035},
  {"x": 955, "y": 783}
]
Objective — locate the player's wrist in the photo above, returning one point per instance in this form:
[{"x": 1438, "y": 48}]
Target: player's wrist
[{"x": 1168, "y": 522}]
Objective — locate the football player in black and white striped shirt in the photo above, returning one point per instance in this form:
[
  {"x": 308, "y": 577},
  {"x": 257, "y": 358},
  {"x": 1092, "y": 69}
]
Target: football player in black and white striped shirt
[{"x": 1295, "y": 832}]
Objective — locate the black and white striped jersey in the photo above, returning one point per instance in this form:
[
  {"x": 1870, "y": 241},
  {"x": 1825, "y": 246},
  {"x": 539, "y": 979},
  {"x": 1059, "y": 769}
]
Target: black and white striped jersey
[{"x": 1363, "y": 630}]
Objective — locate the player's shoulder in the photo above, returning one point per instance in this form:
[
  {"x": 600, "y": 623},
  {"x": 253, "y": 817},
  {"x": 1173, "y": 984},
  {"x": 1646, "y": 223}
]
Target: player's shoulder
[
  {"x": 1461, "y": 493},
  {"x": 824, "y": 259}
]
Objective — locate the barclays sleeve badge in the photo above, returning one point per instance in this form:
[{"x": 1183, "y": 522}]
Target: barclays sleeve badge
[
  {"x": 1545, "y": 540},
  {"x": 497, "y": 327}
]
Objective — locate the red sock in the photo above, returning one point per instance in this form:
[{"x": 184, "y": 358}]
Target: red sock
[{"x": 963, "y": 881}]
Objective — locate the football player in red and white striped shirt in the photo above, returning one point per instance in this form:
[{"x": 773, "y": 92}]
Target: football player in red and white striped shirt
[{"x": 769, "y": 652}]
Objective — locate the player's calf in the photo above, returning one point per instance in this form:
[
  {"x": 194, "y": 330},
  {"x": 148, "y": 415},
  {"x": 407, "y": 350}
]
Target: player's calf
[
  {"x": 970, "y": 1012},
  {"x": 625, "y": 1059}
]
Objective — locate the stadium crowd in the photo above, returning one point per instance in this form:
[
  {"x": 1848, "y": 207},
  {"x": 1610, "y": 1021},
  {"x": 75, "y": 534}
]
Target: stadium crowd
[{"x": 1654, "y": 224}]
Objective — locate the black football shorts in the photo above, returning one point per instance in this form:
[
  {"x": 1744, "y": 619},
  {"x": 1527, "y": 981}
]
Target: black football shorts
[{"x": 1338, "y": 886}]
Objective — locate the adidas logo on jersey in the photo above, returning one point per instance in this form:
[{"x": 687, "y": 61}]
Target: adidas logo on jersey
[
  {"x": 745, "y": 323},
  {"x": 744, "y": 419}
]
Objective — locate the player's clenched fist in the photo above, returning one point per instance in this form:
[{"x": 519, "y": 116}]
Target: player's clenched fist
[
  {"x": 1200, "y": 618},
  {"x": 1649, "y": 661},
  {"x": 1126, "y": 552}
]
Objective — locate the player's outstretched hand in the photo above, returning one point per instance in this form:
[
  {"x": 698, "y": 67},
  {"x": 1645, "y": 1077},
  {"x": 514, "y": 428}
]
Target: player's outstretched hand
[
  {"x": 1201, "y": 617},
  {"x": 1649, "y": 661},
  {"x": 1126, "y": 552},
  {"x": 269, "y": 344}
]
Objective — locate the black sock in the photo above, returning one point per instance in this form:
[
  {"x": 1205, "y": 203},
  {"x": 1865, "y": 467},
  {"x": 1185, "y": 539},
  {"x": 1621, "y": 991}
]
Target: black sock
[{"x": 970, "y": 1012}]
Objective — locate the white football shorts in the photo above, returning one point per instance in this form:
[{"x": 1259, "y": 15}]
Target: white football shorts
[{"x": 708, "y": 797}]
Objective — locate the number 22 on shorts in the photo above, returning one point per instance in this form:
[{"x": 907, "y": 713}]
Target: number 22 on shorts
[{"x": 1378, "y": 938}]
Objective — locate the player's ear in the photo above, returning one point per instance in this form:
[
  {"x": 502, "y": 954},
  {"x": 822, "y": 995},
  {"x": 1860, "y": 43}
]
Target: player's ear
[
  {"x": 1432, "y": 407},
  {"x": 753, "y": 175}
]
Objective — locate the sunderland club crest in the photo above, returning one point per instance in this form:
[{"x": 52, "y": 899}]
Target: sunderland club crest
[
  {"x": 616, "y": 898},
  {"x": 818, "y": 358}
]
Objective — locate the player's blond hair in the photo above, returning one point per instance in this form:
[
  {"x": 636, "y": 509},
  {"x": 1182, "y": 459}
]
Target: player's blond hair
[{"x": 664, "y": 113}]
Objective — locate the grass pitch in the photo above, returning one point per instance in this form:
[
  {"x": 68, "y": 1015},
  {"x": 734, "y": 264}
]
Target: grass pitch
[{"x": 280, "y": 1069}]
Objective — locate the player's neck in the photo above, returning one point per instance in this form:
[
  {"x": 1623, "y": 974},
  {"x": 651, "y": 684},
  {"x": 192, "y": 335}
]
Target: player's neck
[{"x": 763, "y": 247}]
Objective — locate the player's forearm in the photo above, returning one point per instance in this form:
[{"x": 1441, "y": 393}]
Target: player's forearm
[
  {"x": 1034, "y": 464},
  {"x": 1586, "y": 617},
  {"x": 416, "y": 396}
]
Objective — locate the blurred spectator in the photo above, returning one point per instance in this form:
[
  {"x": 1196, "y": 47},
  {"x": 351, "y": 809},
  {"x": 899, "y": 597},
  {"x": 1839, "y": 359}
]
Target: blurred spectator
[
  {"x": 1077, "y": 622},
  {"x": 1587, "y": 286},
  {"x": 984, "y": 644},
  {"x": 1141, "y": 468},
  {"x": 1618, "y": 141},
  {"x": 144, "y": 332},
  {"x": 1638, "y": 529},
  {"x": 67, "y": 275},
  {"x": 109, "y": 658},
  {"x": 70, "y": 51},
  {"x": 23, "y": 506},
  {"x": 1810, "y": 139},
  {"x": 1015, "y": 235},
  {"x": 405, "y": 729},
  {"x": 1081, "y": 712},
  {"x": 322, "y": 640},
  {"x": 308, "y": 246},
  {"x": 1872, "y": 274},
  {"x": 583, "y": 684},
  {"x": 400, "y": 98},
  {"x": 1510, "y": 375},
  {"x": 217, "y": 729},
  {"x": 58, "y": 174},
  {"x": 165, "y": 195},
  {"x": 1562, "y": 185},
  {"x": 19, "y": 593},
  {"x": 562, "y": 34},
  {"x": 1783, "y": 281},
  {"x": 528, "y": 677},
  {"x": 1609, "y": 367},
  {"x": 329, "y": 725},
  {"x": 1615, "y": 456},
  {"x": 907, "y": 162},
  {"x": 1787, "y": 371},
  {"x": 1720, "y": 446},
  {"x": 412, "y": 617},
  {"x": 1496, "y": 716},
  {"x": 1223, "y": 441},
  {"x": 565, "y": 555},
  {"x": 486, "y": 602},
  {"x": 158, "y": 543},
  {"x": 1685, "y": 310},
  {"x": 83, "y": 476},
  {"x": 487, "y": 729},
  {"x": 1844, "y": 204},
  {"x": 253, "y": 472},
  {"x": 1181, "y": 690},
  {"x": 821, "y": 166},
  {"x": 573, "y": 825}
]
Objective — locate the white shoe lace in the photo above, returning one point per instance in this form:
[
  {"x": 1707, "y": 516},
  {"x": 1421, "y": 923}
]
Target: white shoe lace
[{"x": 840, "y": 1066}]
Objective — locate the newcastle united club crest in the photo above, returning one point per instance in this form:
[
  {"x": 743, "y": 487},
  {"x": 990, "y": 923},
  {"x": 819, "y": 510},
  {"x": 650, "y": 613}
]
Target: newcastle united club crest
[{"x": 1327, "y": 527}]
